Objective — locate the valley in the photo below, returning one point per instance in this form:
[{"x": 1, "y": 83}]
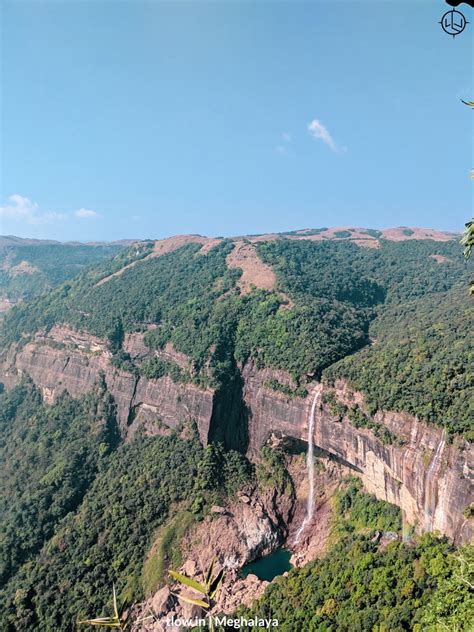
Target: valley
[{"x": 292, "y": 380}]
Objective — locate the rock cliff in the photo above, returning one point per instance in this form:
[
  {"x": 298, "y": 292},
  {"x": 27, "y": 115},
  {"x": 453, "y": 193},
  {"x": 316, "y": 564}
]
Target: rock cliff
[
  {"x": 64, "y": 359},
  {"x": 426, "y": 476},
  {"x": 253, "y": 525}
]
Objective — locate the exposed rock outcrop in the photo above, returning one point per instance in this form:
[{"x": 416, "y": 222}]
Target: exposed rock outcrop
[
  {"x": 67, "y": 360},
  {"x": 252, "y": 526},
  {"x": 427, "y": 477},
  {"x": 430, "y": 480}
]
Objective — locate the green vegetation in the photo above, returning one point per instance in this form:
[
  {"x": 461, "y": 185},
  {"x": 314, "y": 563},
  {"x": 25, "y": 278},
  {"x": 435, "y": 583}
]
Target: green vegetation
[
  {"x": 468, "y": 243},
  {"x": 359, "y": 419},
  {"x": 360, "y": 513},
  {"x": 115, "y": 621},
  {"x": 361, "y": 586},
  {"x": 81, "y": 509},
  {"x": 422, "y": 362},
  {"x": 272, "y": 472},
  {"x": 337, "y": 288},
  {"x": 155, "y": 367},
  {"x": 28, "y": 270},
  {"x": 221, "y": 473},
  {"x": 286, "y": 389},
  {"x": 342, "y": 296},
  {"x": 469, "y": 511},
  {"x": 166, "y": 551},
  {"x": 303, "y": 340},
  {"x": 50, "y": 455},
  {"x": 372, "y": 232},
  {"x": 207, "y": 589},
  {"x": 307, "y": 233},
  {"x": 366, "y": 277},
  {"x": 105, "y": 540},
  {"x": 336, "y": 407}
]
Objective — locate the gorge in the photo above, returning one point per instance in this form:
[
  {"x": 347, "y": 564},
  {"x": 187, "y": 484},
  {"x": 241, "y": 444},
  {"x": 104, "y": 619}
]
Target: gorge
[
  {"x": 428, "y": 479},
  {"x": 196, "y": 401}
]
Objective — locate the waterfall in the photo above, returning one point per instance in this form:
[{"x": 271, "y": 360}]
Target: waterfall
[
  {"x": 430, "y": 492},
  {"x": 310, "y": 466}
]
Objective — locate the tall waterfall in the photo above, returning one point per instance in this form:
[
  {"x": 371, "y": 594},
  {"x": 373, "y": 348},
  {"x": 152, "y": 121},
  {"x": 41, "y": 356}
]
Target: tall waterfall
[{"x": 310, "y": 466}]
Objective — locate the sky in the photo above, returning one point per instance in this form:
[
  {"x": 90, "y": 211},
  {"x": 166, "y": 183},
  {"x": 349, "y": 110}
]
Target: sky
[{"x": 147, "y": 119}]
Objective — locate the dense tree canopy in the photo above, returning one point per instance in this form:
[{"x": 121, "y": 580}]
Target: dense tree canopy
[
  {"x": 403, "y": 294},
  {"x": 29, "y": 270},
  {"x": 421, "y": 361},
  {"x": 50, "y": 455},
  {"x": 79, "y": 508}
]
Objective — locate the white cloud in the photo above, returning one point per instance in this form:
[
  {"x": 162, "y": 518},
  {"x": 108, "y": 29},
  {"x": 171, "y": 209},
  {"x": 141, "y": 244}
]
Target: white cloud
[
  {"x": 22, "y": 209},
  {"x": 85, "y": 213},
  {"x": 319, "y": 132}
]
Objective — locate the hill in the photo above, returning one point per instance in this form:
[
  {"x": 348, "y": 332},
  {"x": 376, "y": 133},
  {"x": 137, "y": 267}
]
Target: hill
[
  {"x": 293, "y": 303},
  {"x": 154, "y": 407},
  {"x": 30, "y": 267}
]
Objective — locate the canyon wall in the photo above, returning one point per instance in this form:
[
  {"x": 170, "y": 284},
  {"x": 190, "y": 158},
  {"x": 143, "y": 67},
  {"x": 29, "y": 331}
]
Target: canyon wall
[
  {"x": 429, "y": 478},
  {"x": 64, "y": 359}
]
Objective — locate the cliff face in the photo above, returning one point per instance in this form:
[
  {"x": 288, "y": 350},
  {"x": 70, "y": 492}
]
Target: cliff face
[
  {"x": 428, "y": 478},
  {"x": 250, "y": 526},
  {"x": 67, "y": 360}
]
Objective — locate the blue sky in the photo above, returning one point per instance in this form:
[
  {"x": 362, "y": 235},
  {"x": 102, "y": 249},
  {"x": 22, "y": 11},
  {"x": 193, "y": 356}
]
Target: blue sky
[{"x": 146, "y": 119}]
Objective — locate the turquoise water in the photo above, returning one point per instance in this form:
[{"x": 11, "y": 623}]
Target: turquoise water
[{"x": 270, "y": 566}]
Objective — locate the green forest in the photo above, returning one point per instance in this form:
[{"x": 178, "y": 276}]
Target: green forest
[
  {"x": 406, "y": 313},
  {"x": 47, "y": 265},
  {"x": 81, "y": 507},
  {"x": 421, "y": 361}
]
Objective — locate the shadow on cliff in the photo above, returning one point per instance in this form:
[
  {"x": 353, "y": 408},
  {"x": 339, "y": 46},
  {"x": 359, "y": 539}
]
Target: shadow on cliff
[
  {"x": 298, "y": 446},
  {"x": 230, "y": 414}
]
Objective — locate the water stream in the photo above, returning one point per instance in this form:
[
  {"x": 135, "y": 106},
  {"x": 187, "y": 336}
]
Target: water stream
[{"x": 310, "y": 466}]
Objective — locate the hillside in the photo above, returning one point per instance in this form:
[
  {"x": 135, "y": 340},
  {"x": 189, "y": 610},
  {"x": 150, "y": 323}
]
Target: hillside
[
  {"x": 328, "y": 299},
  {"x": 154, "y": 407},
  {"x": 30, "y": 267}
]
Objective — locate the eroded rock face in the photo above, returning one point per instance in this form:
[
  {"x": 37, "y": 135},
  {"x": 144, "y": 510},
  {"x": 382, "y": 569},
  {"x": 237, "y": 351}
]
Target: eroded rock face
[
  {"x": 251, "y": 527},
  {"x": 67, "y": 360},
  {"x": 255, "y": 524},
  {"x": 427, "y": 477}
]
